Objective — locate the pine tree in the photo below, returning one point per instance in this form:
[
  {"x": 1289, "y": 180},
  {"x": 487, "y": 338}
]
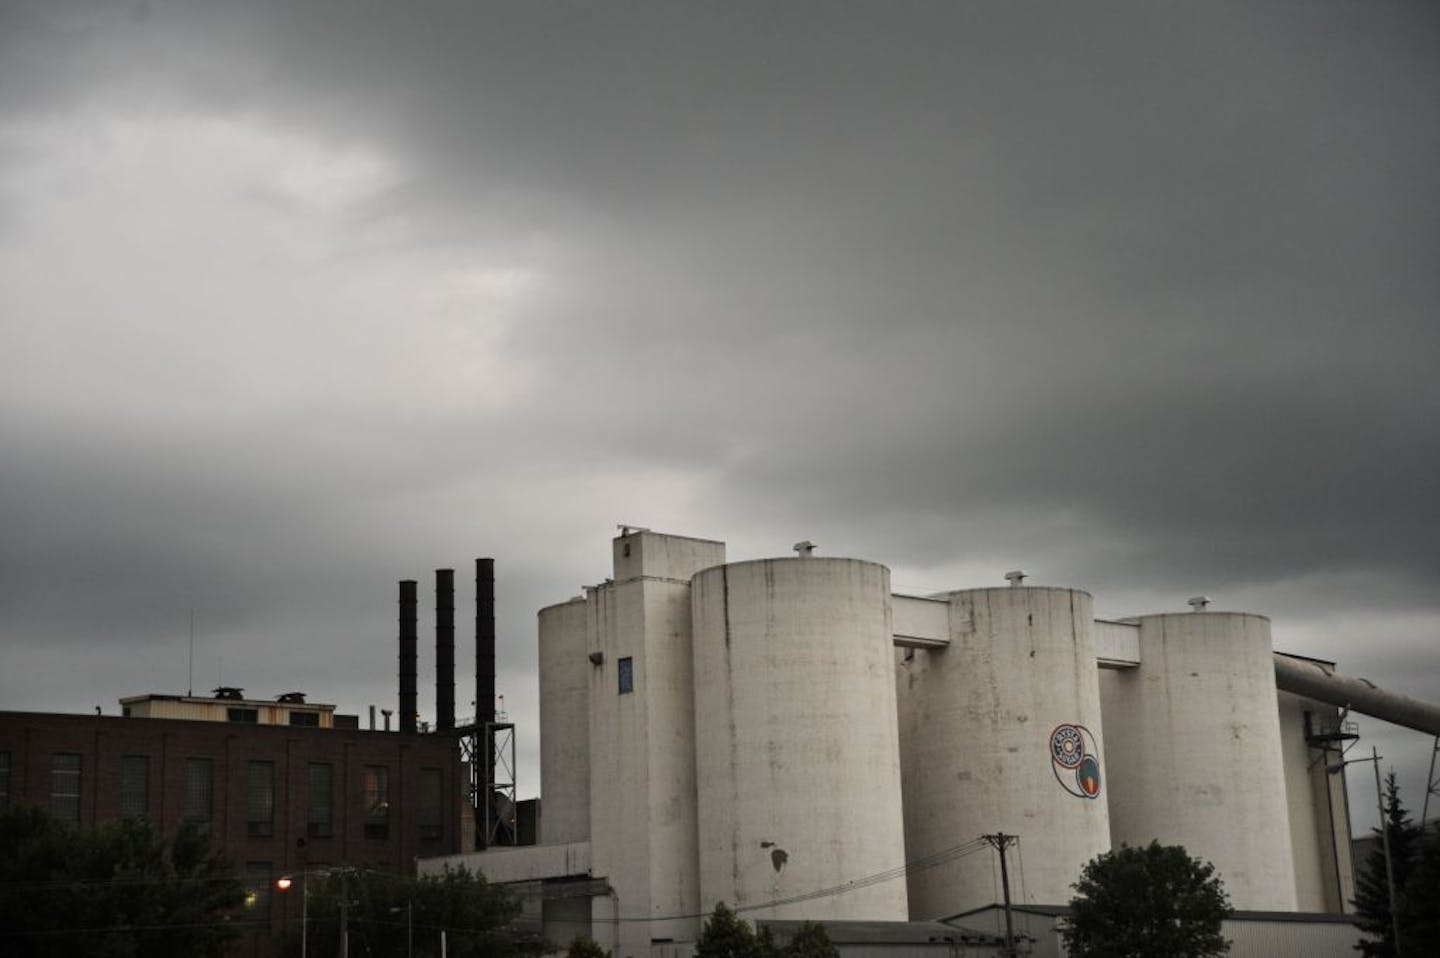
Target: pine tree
[
  {"x": 1420, "y": 902},
  {"x": 1372, "y": 888}
]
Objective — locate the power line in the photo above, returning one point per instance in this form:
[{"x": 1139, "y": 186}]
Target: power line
[{"x": 919, "y": 864}]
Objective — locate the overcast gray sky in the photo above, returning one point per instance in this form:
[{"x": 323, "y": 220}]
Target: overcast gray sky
[{"x": 297, "y": 300}]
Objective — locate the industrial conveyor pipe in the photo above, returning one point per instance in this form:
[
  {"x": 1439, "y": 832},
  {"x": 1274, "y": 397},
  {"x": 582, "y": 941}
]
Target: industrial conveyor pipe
[{"x": 1359, "y": 695}]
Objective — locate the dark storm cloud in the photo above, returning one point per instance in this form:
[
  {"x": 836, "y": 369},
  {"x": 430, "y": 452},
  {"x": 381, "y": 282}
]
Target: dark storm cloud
[{"x": 1141, "y": 294}]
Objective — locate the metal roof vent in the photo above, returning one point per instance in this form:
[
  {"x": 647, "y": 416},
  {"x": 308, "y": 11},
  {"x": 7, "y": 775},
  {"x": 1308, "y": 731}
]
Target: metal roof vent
[
  {"x": 230, "y": 692},
  {"x": 1198, "y": 603},
  {"x": 1017, "y": 577},
  {"x": 804, "y": 548},
  {"x": 291, "y": 698}
]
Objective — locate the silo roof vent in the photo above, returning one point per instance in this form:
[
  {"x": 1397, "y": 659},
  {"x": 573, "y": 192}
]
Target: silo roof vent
[
  {"x": 1017, "y": 577},
  {"x": 229, "y": 692},
  {"x": 291, "y": 698},
  {"x": 804, "y": 548},
  {"x": 1198, "y": 603}
]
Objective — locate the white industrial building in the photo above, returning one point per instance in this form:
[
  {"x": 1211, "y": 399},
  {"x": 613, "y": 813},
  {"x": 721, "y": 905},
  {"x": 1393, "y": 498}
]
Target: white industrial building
[{"x": 790, "y": 737}]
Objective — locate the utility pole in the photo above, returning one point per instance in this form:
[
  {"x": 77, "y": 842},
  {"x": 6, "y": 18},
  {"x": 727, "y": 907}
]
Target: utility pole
[
  {"x": 1000, "y": 842},
  {"x": 1384, "y": 836},
  {"x": 344, "y": 915}
]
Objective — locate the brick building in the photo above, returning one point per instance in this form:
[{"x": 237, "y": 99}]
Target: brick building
[{"x": 278, "y": 799}]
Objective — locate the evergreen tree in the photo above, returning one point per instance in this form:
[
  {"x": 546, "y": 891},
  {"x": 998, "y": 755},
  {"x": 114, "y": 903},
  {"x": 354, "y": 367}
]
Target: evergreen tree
[
  {"x": 1372, "y": 888},
  {"x": 1420, "y": 901}
]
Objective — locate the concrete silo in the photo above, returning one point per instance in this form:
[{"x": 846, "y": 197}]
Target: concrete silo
[
  {"x": 797, "y": 766},
  {"x": 1000, "y": 732},
  {"x": 565, "y": 722},
  {"x": 1195, "y": 755}
]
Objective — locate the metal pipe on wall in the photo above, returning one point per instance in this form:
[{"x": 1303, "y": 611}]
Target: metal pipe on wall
[{"x": 1312, "y": 681}]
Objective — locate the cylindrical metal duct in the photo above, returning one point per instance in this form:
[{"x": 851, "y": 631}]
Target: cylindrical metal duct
[
  {"x": 484, "y": 641},
  {"x": 444, "y": 650},
  {"x": 1359, "y": 695},
  {"x": 409, "y": 639}
]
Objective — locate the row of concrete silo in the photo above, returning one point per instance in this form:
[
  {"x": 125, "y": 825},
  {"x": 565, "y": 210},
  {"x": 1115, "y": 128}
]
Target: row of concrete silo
[{"x": 768, "y": 711}]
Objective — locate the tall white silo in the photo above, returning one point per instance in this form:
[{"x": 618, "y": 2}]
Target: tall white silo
[
  {"x": 1000, "y": 733},
  {"x": 1195, "y": 753},
  {"x": 565, "y": 722},
  {"x": 797, "y": 765}
]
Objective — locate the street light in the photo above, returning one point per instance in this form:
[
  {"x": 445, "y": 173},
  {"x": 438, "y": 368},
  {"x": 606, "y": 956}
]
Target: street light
[{"x": 1384, "y": 836}]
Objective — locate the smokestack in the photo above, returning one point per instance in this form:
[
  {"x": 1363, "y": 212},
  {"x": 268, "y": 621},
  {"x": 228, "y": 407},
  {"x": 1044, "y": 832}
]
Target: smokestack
[
  {"x": 444, "y": 650},
  {"x": 409, "y": 638},
  {"x": 484, "y": 642}
]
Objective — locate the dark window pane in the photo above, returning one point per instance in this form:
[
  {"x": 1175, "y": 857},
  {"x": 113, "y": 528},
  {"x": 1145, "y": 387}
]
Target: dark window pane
[
  {"x": 257, "y": 890},
  {"x": 432, "y": 804},
  {"x": 377, "y": 801},
  {"x": 627, "y": 675},
  {"x": 249, "y": 716},
  {"x": 311, "y": 719},
  {"x": 65, "y": 786},
  {"x": 322, "y": 782},
  {"x": 199, "y": 791},
  {"x": 134, "y": 785},
  {"x": 260, "y": 799}
]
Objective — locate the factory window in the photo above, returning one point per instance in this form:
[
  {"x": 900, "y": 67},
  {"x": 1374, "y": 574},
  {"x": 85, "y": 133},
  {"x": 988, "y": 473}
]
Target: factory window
[
  {"x": 377, "y": 801},
  {"x": 260, "y": 800},
  {"x": 320, "y": 817},
  {"x": 257, "y": 890},
  {"x": 134, "y": 785},
  {"x": 199, "y": 792},
  {"x": 627, "y": 675},
  {"x": 248, "y": 716},
  {"x": 4, "y": 779},
  {"x": 431, "y": 810},
  {"x": 311, "y": 719},
  {"x": 65, "y": 786}
]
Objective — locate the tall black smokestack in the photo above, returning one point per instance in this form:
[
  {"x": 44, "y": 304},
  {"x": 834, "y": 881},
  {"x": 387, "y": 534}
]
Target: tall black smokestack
[
  {"x": 444, "y": 650},
  {"x": 484, "y": 642},
  {"x": 409, "y": 638}
]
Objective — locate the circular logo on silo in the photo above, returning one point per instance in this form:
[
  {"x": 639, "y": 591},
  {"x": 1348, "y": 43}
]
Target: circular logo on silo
[{"x": 1075, "y": 760}]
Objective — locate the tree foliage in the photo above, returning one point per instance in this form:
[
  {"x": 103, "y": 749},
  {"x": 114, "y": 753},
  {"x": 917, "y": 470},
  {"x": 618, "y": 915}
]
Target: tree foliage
[
  {"x": 1143, "y": 902},
  {"x": 384, "y": 909},
  {"x": 726, "y": 935},
  {"x": 121, "y": 890},
  {"x": 1415, "y": 859}
]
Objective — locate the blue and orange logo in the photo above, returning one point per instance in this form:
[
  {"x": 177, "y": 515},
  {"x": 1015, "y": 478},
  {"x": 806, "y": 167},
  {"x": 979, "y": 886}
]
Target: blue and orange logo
[{"x": 1075, "y": 760}]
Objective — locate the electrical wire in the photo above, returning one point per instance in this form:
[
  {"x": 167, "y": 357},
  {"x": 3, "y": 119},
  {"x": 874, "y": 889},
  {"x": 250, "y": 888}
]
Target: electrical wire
[{"x": 932, "y": 860}]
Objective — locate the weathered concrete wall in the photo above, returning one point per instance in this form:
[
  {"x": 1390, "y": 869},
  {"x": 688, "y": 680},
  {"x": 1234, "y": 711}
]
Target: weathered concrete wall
[
  {"x": 977, "y": 722},
  {"x": 564, "y": 723},
  {"x": 1193, "y": 738},
  {"x": 1324, "y": 879},
  {"x": 642, "y": 773},
  {"x": 796, "y": 743}
]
